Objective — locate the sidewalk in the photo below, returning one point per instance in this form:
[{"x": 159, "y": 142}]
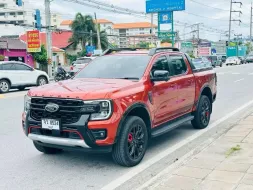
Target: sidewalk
[{"x": 227, "y": 164}]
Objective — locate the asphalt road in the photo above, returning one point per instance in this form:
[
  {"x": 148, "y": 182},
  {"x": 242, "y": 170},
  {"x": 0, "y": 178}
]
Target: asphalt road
[{"x": 23, "y": 167}]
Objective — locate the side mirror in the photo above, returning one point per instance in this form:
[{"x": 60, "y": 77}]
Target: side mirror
[{"x": 160, "y": 75}]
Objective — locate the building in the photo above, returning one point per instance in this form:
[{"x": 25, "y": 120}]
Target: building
[
  {"x": 15, "y": 50},
  {"x": 122, "y": 34},
  {"x": 10, "y": 12},
  {"x": 131, "y": 34},
  {"x": 61, "y": 46}
]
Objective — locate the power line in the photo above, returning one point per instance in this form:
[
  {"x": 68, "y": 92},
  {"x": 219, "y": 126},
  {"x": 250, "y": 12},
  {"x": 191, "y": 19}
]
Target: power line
[{"x": 208, "y": 6}]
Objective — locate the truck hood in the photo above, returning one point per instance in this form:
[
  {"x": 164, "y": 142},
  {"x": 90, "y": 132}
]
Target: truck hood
[{"x": 84, "y": 89}]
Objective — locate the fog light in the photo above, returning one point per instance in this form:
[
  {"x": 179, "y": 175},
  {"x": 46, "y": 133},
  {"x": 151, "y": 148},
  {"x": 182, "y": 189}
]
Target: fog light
[{"x": 99, "y": 134}]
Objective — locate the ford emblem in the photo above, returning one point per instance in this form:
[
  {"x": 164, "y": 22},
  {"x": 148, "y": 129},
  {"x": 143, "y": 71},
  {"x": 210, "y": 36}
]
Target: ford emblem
[{"x": 52, "y": 107}]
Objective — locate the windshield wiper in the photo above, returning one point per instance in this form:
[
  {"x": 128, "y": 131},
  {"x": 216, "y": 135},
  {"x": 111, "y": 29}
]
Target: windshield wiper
[{"x": 129, "y": 78}]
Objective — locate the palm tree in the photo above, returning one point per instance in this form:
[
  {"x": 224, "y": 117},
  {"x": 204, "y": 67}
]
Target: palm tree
[{"x": 81, "y": 28}]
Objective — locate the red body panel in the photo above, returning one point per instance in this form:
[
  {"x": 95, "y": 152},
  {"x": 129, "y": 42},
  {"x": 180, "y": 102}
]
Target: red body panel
[{"x": 171, "y": 99}]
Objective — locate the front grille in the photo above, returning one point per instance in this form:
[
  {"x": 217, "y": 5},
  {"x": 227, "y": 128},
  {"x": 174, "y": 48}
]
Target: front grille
[{"x": 69, "y": 111}]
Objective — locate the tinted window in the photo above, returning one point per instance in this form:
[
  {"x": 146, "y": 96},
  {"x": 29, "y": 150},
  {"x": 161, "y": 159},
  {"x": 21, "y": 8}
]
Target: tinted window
[
  {"x": 22, "y": 67},
  {"x": 1, "y": 67},
  {"x": 116, "y": 66},
  {"x": 8, "y": 66},
  {"x": 178, "y": 64},
  {"x": 161, "y": 64}
]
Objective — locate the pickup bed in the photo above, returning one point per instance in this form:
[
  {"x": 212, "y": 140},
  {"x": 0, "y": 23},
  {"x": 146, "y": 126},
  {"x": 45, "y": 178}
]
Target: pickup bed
[{"x": 118, "y": 102}]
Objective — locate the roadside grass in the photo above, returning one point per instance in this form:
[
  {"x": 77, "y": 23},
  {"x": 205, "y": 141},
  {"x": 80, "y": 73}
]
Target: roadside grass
[{"x": 233, "y": 150}]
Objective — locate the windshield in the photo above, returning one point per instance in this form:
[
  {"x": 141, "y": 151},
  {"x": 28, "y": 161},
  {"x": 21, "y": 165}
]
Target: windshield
[
  {"x": 197, "y": 60},
  {"x": 116, "y": 66}
]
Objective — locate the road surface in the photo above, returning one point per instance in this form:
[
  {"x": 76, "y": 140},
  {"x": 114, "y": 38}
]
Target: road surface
[{"x": 23, "y": 167}]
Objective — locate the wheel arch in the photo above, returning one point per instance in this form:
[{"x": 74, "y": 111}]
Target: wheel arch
[
  {"x": 137, "y": 109},
  {"x": 7, "y": 79},
  {"x": 41, "y": 75},
  {"x": 206, "y": 90}
]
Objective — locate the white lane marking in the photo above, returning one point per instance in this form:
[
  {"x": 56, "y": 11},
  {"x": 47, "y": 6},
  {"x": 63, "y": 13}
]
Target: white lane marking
[
  {"x": 235, "y": 73},
  {"x": 250, "y": 73},
  {"x": 146, "y": 164},
  {"x": 220, "y": 73},
  {"x": 239, "y": 80}
]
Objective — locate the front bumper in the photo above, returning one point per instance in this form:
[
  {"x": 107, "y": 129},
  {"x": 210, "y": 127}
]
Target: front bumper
[{"x": 75, "y": 136}]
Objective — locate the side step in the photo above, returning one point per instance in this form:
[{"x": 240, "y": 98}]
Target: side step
[{"x": 170, "y": 126}]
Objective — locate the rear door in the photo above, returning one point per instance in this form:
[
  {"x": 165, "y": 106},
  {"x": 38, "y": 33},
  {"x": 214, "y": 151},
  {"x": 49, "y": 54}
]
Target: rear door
[
  {"x": 164, "y": 93},
  {"x": 8, "y": 70},
  {"x": 27, "y": 74},
  {"x": 182, "y": 74}
]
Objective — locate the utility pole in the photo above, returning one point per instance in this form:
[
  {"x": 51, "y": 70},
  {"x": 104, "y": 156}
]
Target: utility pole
[
  {"x": 251, "y": 23},
  {"x": 98, "y": 33},
  {"x": 230, "y": 17},
  {"x": 91, "y": 35},
  {"x": 49, "y": 35},
  {"x": 152, "y": 22}
]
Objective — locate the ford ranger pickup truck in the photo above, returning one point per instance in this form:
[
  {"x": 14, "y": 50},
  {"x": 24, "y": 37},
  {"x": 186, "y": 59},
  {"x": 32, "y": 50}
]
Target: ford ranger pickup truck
[{"x": 118, "y": 102}]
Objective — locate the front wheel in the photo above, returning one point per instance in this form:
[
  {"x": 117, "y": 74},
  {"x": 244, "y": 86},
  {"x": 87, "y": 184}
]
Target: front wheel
[
  {"x": 42, "y": 81},
  {"x": 203, "y": 113},
  {"x": 132, "y": 143},
  {"x": 46, "y": 150}
]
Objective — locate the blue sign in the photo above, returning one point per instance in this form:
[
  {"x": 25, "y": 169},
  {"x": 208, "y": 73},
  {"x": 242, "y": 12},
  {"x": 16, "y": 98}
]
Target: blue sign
[
  {"x": 90, "y": 49},
  {"x": 165, "y": 18},
  {"x": 155, "y": 6},
  {"x": 213, "y": 51}
]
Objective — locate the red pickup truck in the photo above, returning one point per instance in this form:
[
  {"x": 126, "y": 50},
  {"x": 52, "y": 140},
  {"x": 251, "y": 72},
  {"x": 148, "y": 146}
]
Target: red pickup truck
[{"x": 118, "y": 102}]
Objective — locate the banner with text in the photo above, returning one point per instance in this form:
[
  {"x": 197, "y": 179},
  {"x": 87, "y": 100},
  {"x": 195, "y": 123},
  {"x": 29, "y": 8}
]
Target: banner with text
[{"x": 33, "y": 41}]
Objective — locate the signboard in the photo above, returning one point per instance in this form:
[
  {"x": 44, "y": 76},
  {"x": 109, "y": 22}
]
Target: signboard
[
  {"x": 205, "y": 44},
  {"x": 202, "y": 51},
  {"x": 33, "y": 41},
  {"x": 186, "y": 44},
  {"x": 90, "y": 49},
  {"x": 155, "y": 6},
  {"x": 165, "y": 35},
  {"x": 165, "y": 18}
]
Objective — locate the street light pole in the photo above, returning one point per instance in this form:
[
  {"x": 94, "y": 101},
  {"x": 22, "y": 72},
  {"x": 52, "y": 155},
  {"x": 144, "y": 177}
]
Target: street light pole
[
  {"x": 49, "y": 35},
  {"x": 251, "y": 22},
  {"x": 230, "y": 17}
]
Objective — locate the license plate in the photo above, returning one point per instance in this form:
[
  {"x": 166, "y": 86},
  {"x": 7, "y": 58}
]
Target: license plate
[{"x": 51, "y": 124}]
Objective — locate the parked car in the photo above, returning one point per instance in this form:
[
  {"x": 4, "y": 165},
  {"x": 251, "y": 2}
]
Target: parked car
[
  {"x": 249, "y": 59},
  {"x": 201, "y": 62},
  {"x": 215, "y": 60},
  {"x": 19, "y": 75},
  {"x": 233, "y": 61},
  {"x": 118, "y": 102},
  {"x": 80, "y": 63},
  {"x": 242, "y": 59},
  {"x": 223, "y": 58}
]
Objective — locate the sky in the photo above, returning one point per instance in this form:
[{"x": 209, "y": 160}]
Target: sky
[{"x": 213, "y": 15}]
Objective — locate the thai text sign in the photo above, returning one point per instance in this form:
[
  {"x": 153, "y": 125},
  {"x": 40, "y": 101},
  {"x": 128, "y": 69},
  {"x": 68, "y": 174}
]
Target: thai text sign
[{"x": 33, "y": 41}]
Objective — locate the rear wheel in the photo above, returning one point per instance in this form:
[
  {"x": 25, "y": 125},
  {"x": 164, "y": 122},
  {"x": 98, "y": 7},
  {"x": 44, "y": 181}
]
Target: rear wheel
[
  {"x": 132, "y": 143},
  {"x": 202, "y": 114},
  {"x": 46, "y": 150},
  {"x": 4, "y": 86}
]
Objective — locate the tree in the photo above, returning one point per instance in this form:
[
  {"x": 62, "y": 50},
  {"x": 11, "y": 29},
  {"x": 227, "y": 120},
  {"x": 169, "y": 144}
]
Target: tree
[
  {"x": 41, "y": 58},
  {"x": 1, "y": 57},
  {"x": 143, "y": 44},
  {"x": 249, "y": 47},
  {"x": 82, "y": 27}
]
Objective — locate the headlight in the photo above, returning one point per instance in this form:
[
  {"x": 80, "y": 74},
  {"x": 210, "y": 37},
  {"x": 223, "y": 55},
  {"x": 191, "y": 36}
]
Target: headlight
[
  {"x": 99, "y": 109},
  {"x": 27, "y": 103}
]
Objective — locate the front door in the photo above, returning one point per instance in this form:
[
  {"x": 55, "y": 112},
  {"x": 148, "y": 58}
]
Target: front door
[
  {"x": 164, "y": 93},
  {"x": 27, "y": 74}
]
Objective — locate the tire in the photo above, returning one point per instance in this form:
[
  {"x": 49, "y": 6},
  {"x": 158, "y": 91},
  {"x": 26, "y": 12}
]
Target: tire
[
  {"x": 21, "y": 88},
  {"x": 4, "y": 86},
  {"x": 42, "y": 81},
  {"x": 126, "y": 151},
  {"x": 202, "y": 114},
  {"x": 46, "y": 150}
]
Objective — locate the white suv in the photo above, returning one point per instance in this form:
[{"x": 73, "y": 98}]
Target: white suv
[{"x": 19, "y": 75}]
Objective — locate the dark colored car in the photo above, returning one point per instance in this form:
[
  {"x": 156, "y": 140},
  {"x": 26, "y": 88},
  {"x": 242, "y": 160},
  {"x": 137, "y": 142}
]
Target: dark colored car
[
  {"x": 118, "y": 102},
  {"x": 249, "y": 59}
]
